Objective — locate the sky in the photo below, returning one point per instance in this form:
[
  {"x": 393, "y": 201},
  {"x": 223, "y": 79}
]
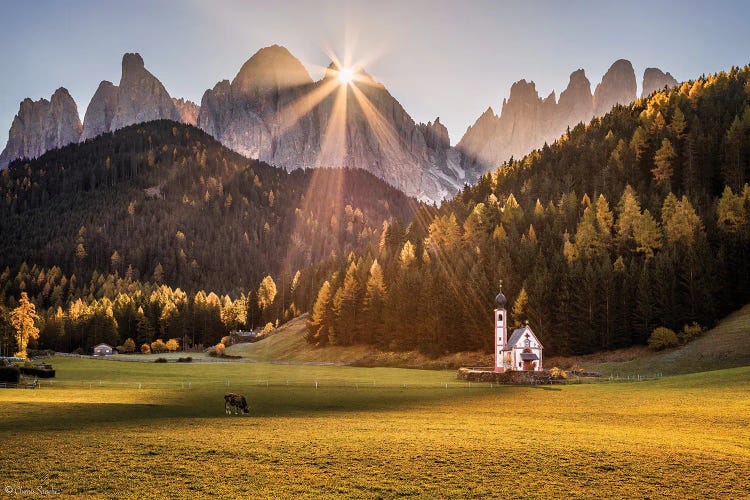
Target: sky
[{"x": 450, "y": 59}]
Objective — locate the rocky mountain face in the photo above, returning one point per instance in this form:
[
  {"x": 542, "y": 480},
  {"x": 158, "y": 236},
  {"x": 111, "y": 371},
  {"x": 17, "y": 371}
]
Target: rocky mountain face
[
  {"x": 188, "y": 110},
  {"x": 42, "y": 125},
  {"x": 655, "y": 79},
  {"x": 274, "y": 111},
  {"x": 618, "y": 86},
  {"x": 527, "y": 121},
  {"x": 142, "y": 96},
  {"x": 576, "y": 103},
  {"x": 101, "y": 110}
]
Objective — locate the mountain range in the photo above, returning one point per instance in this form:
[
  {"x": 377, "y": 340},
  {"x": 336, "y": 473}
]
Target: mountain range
[{"x": 274, "y": 111}]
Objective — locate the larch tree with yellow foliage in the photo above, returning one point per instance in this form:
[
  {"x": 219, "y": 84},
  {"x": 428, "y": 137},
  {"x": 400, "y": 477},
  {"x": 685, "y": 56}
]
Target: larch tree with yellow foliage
[{"x": 24, "y": 318}]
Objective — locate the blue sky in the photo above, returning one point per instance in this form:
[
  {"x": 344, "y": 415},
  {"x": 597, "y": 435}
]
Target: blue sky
[{"x": 438, "y": 58}]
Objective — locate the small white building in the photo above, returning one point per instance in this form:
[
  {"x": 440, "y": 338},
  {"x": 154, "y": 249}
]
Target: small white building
[
  {"x": 522, "y": 351},
  {"x": 102, "y": 350}
]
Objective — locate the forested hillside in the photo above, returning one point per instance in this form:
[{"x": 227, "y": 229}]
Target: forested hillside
[
  {"x": 636, "y": 220},
  {"x": 162, "y": 206}
]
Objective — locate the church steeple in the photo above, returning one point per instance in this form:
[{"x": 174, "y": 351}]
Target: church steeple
[{"x": 501, "y": 328}]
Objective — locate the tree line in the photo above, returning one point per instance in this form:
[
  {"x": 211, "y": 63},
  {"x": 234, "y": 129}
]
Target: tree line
[{"x": 636, "y": 220}]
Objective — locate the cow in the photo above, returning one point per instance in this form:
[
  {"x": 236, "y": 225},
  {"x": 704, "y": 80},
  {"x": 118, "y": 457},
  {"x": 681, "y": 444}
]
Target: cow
[{"x": 236, "y": 402}]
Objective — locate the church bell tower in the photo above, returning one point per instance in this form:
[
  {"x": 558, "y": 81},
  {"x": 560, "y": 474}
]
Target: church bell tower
[{"x": 501, "y": 329}]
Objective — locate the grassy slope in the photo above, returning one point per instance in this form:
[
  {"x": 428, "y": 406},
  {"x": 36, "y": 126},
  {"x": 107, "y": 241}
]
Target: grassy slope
[
  {"x": 725, "y": 346},
  {"x": 646, "y": 439},
  {"x": 288, "y": 344}
]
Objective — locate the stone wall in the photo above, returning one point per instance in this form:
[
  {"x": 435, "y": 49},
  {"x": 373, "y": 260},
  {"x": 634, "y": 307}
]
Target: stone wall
[{"x": 509, "y": 377}]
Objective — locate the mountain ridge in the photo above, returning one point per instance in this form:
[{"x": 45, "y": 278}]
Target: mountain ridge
[{"x": 274, "y": 111}]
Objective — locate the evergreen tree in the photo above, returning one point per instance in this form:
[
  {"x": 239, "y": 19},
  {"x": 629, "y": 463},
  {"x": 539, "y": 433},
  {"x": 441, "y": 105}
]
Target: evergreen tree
[{"x": 320, "y": 326}]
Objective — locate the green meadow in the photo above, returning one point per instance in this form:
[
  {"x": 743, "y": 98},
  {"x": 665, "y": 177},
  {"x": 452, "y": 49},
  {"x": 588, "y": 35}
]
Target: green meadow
[{"x": 370, "y": 432}]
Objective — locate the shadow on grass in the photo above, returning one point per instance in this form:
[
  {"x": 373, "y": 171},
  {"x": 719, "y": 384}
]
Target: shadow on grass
[{"x": 100, "y": 410}]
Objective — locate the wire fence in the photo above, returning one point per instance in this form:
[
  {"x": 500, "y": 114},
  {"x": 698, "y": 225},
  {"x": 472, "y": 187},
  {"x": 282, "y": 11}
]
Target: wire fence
[{"x": 228, "y": 384}]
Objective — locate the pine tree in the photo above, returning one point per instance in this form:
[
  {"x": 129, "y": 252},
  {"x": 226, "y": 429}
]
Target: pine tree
[
  {"x": 647, "y": 235},
  {"x": 518, "y": 313},
  {"x": 374, "y": 304},
  {"x": 681, "y": 223},
  {"x": 663, "y": 159},
  {"x": 628, "y": 215},
  {"x": 144, "y": 329},
  {"x": 347, "y": 307},
  {"x": 320, "y": 326},
  {"x": 731, "y": 213}
]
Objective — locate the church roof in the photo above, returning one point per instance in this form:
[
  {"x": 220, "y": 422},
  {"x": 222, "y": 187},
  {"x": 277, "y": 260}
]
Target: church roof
[{"x": 517, "y": 335}]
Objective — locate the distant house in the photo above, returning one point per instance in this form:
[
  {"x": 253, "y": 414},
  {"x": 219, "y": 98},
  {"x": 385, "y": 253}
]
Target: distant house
[
  {"x": 239, "y": 336},
  {"x": 102, "y": 350},
  {"x": 522, "y": 351}
]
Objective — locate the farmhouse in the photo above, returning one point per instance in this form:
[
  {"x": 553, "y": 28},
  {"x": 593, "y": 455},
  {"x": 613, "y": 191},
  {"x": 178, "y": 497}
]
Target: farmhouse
[
  {"x": 102, "y": 350},
  {"x": 522, "y": 351}
]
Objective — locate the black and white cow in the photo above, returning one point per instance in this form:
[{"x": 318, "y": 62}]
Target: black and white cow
[{"x": 236, "y": 402}]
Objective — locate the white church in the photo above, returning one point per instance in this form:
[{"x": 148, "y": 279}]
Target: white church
[{"x": 522, "y": 351}]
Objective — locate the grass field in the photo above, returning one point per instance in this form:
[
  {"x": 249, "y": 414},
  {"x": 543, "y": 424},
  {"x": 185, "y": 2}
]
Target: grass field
[{"x": 684, "y": 437}]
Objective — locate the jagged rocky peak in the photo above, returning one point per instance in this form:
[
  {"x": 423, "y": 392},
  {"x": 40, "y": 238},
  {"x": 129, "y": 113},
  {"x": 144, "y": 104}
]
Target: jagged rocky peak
[
  {"x": 521, "y": 92},
  {"x": 575, "y": 104},
  {"x": 132, "y": 61},
  {"x": 271, "y": 68},
  {"x": 655, "y": 79},
  {"x": 64, "y": 123},
  {"x": 188, "y": 110},
  {"x": 142, "y": 97},
  {"x": 479, "y": 133},
  {"x": 42, "y": 125},
  {"x": 618, "y": 86},
  {"x": 101, "y": 110},
  {"x": 435, "y": 134}
]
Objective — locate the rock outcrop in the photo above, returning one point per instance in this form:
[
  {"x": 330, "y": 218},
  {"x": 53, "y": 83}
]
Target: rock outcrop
[
  {"x": 618, "y": 86},
  {"x": 274, "y": 111},
  {"x": 188, "y": 110},
  {"x": 655, "y": 79},
  {"x": 576, "y": 102},
  {"x": 142, "y": 96},
  {"x": 101, "y": 110},
  {"x": 42, "y": 125},
  {"x": 527, "y": 121}
]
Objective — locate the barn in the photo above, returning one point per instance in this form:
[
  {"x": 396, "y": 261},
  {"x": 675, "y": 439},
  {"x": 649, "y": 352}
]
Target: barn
[{"x": 102, "y": 350}]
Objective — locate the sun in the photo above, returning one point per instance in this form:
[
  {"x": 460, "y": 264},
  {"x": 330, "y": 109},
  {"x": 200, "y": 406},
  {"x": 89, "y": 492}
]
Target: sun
[{"x": 346, "y": 76}]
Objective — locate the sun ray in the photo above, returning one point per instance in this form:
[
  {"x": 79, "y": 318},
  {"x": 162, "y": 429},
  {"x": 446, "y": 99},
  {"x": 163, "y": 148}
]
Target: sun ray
[
  {"x": 294, "y": 112},
  {"x": 327, "y": 179},
  {"x": 333, "y": 143},
  {"x": 384, "y": 132}
]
